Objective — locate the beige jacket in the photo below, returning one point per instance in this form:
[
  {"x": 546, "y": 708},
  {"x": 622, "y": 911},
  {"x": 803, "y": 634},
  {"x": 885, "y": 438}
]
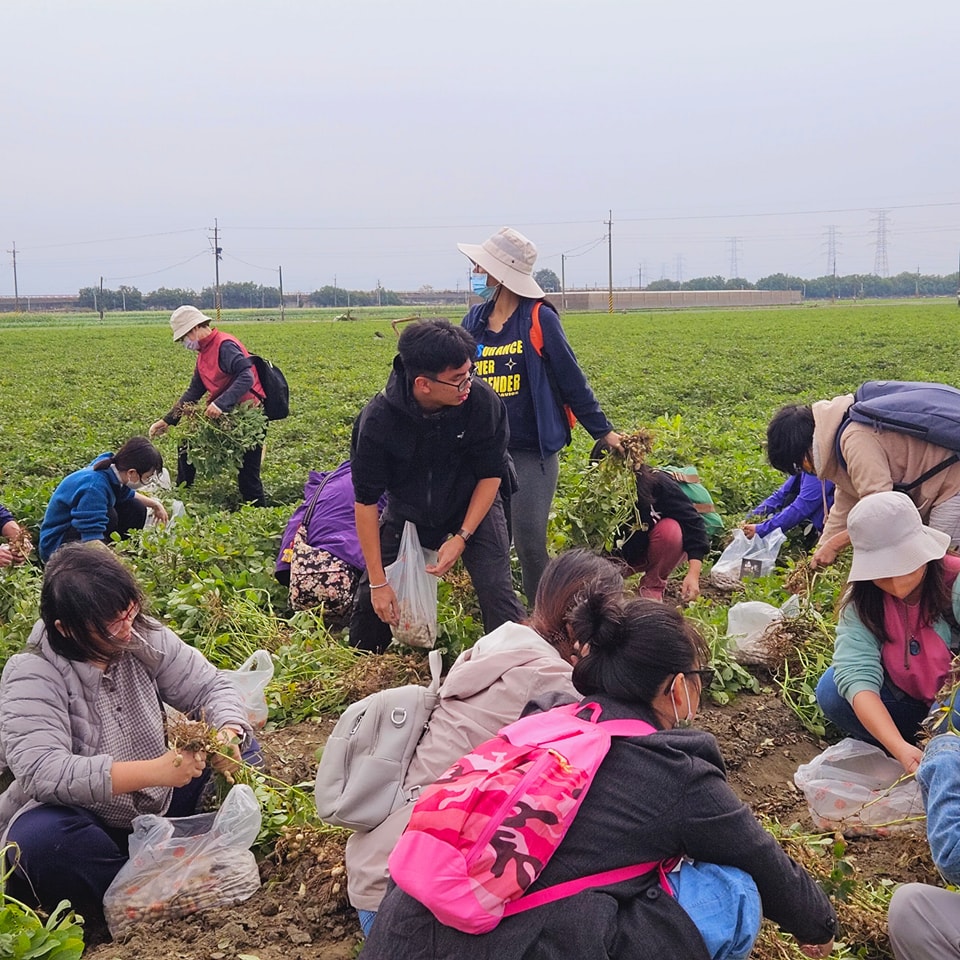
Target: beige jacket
[
  {"x": 876, "y": 460},
  {"x": 486, "y": 689}
]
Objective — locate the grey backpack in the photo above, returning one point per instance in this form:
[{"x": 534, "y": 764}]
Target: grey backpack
[{"x": 364, "y": 763}]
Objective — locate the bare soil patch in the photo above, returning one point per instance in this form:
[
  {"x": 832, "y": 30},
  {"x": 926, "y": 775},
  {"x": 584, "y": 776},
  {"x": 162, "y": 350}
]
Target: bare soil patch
[{"x": 301, "y": 912}]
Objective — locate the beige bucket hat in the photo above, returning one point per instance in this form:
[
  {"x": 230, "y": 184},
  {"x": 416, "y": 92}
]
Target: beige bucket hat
[
  {"x": 184, "y": 319},
  {"x": 889, "y": 538},
  {"x": 507, "y": 256}
]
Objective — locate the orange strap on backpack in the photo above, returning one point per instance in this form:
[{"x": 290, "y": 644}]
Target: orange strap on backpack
[{"x": 536, "y": 338}]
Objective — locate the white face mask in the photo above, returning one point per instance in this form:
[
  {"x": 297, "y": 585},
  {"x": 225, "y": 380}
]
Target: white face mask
[
  {"x": 193, "y": 345},
  {"x": 682, "y": 723},
  {"x": 134, "y": 484}
]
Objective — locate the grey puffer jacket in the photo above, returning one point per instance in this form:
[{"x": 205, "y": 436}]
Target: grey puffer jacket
[{"x": 50, "y": 729}]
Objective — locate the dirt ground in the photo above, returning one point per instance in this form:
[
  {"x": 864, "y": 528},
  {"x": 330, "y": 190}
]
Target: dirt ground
[{"x": 301, "y": 912}]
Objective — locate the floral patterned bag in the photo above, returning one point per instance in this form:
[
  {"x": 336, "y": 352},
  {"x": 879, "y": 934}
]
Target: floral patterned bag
[{"x": 317, "y": 577}]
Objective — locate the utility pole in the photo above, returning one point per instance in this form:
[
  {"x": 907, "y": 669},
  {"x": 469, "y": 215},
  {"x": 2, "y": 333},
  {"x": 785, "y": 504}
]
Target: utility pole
[
  {"x": 101, "y": 298},
  {"x": 378, "y": 292},
  {"x": 563, "y": 281},
  {"x": 334, "y": 289},
  {"x": 16, "y": 292},
  {"x": 217, "y": 254},
  {"x": 280, "y": 271},
  {"x": 610, "y": 261},
  {"x": 918, "y": 280},
  {"x": 640, "y": 277}
]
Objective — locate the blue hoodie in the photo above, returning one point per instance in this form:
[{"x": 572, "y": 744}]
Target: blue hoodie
[{"x": 82, "y": 500}]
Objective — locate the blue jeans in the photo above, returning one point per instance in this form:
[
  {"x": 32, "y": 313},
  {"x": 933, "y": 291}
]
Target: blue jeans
[
  {"x": 906, "y": 712},
  {"x": 724, "y": 903},
  {"x": 366, "y": 918}
]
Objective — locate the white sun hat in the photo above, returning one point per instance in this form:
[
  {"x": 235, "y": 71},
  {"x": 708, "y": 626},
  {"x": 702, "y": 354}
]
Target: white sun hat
[
  {"x": 889, "y": 538},
  {"x": 507, "y": 256},
  {"x": 184, "y": 319}
]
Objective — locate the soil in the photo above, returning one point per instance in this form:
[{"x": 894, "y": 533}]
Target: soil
[{"x": 301, "y": 910}]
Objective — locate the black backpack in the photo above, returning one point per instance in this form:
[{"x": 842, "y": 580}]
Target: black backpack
[
  {"x": 927, "y": 411},
  {"x": 276, "y": 391}
]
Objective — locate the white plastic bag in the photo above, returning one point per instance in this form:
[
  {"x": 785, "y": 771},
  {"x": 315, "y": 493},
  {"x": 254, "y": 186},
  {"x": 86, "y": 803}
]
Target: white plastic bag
[
  {"x": 747, "y": 557},
  {"x": 747, "y": 626},
  {"x": 179, "y": 866},
  {"x": 416, "y": 591},
  {"x": 855, "y": 787},
  {"x": 251, "y": 679}
]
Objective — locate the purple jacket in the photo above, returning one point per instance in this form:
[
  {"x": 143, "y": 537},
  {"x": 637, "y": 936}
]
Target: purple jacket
[
  {"x": 333, "y": 526},
  {"x": 799, "y": 499},
  {"x": 5, "y": 516}
]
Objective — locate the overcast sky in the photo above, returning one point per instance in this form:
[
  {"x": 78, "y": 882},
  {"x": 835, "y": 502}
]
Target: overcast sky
[{"x": 362, "y": 139}]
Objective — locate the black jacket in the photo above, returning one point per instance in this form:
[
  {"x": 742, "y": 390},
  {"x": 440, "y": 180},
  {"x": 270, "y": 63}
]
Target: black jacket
[
  {"x": 653, "y": 797},
  {"x": 428, "y": 464}
]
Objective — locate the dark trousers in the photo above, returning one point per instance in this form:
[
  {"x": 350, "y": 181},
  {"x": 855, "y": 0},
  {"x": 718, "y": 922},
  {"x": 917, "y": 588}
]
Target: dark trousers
[
  {"x": 125, "y": 516},
  {"x": 248, "y": 479},
  {"x": 486, "y": 557},
  {"x": 69, "y": 853}
]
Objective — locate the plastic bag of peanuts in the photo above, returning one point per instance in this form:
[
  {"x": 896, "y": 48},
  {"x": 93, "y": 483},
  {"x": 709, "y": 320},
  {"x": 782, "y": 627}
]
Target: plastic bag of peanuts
[
  {"x": 416, "y": 591},
  {"x": 183, "y": 865}
]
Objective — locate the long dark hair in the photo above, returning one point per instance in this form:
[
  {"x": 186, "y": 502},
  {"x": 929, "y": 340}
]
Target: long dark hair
[
  {"x": 636, "y": 646},
  {"x": 86, "y": 588},
  {"x": 936, "y": 601},
  {"x": 567, "y": 580},
  {"x": 138, "y": 453}
]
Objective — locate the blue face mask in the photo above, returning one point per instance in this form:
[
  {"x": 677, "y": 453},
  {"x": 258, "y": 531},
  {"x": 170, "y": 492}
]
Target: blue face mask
[{"x": 479, "y": 285}]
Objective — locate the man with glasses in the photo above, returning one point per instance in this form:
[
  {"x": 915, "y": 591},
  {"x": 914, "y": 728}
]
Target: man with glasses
[{"x": 435, "y": 441}]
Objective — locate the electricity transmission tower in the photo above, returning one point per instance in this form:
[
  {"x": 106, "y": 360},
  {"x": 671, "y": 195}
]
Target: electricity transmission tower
[
  {"x": 880, "y": 266},
  {"x": 734, "y": 264}
]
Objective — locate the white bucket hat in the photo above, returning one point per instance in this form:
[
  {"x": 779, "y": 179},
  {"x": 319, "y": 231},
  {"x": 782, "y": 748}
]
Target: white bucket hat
[
  {"x": 184, "y": 319},
  {"x": 508, "y": 256},
  {"x": 889, "y": 538}
]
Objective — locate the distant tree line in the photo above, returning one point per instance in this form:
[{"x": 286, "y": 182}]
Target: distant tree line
[
  {"x": 823, "y": 288},
  {"x": 233, "y": 296},
  {"x": 252, "y": 295}
]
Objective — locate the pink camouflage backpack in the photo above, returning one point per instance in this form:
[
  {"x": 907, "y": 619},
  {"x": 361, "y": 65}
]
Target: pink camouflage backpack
[{"x": 482, "y": 834}]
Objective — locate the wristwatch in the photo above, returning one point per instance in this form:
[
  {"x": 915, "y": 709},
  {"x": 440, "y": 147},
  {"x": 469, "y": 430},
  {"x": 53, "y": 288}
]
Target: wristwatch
[{"x": 464, "y": 535}]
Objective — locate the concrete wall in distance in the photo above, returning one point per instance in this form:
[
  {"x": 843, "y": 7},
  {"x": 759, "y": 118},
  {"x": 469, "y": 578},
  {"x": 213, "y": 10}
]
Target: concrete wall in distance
[{"x": 598, "y": 300}]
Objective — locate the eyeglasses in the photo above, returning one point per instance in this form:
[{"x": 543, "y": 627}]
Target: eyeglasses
[
  {"x": 123, "y": 620},
  {"x": 706, "y": 675},
  {"x": 461, "y": 386}
]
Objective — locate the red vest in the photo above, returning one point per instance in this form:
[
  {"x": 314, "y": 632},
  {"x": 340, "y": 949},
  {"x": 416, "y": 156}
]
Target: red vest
[{"x": 214, "y": 379}]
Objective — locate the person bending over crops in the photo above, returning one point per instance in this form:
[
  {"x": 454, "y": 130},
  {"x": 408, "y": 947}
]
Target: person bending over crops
[
  {"x": 83, "y": 732},
  {"x": 893, "y": 646},
  {"x": 225, "y": 371},
  {"x": 804, "y": 438},
  {"x": 103, "y": 498},
  {"x": 924, "y": 921},
  {"x": 18, "y": 545},
  {"x": 487, "y": 688},
  {"x": 653, "y": 798},
  {"x": 435, "y": 440},
  {"x": 803, "y": 500},
  {"x": 523, "y": 353},
  {"x": 669, "y": 530}
]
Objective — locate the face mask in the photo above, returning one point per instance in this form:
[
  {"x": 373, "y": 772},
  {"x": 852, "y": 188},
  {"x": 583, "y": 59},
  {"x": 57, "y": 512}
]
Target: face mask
[
  {"x": 134, "y": 484},
  {"x": 193, "y": 345},
  {"x": 682, "y": 722},
  {"x": 479, "y": 286}
]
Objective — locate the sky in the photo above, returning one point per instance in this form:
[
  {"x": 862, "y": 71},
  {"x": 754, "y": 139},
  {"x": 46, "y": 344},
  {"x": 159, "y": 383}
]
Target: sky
[{"x": 357, "y": 141}]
